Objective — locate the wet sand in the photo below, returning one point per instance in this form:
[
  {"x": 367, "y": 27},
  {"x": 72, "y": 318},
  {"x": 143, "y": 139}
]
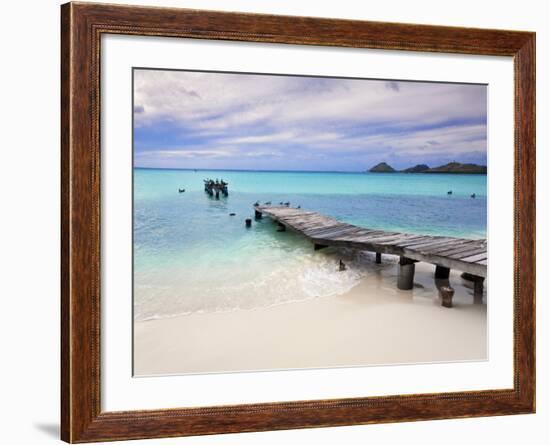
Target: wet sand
[{"x": 372, "y": 324}]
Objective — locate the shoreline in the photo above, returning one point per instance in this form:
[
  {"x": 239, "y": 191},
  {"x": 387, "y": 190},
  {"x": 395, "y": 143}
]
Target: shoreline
[{"x": 370, "y": 325}]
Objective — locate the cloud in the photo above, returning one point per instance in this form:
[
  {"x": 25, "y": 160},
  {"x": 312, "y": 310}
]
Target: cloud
[
  {"x": 321, "y": 123},
  {"x": 187, "y": 153}
]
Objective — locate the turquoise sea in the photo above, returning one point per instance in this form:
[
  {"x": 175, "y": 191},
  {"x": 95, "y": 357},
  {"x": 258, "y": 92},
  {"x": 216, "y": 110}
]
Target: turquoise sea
[{"x": 191, "y": 256}]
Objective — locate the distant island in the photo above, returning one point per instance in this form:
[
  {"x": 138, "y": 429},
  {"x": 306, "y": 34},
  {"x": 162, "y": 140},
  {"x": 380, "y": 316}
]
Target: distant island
[
  {"x": 451, "y": 167},
  {"x": 420, "y": 168},
  {"x": 382, "y": 168}
]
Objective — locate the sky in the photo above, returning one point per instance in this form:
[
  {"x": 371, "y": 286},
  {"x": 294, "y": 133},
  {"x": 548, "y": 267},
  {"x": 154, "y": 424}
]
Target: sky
[{"x": 207, "y": 120}]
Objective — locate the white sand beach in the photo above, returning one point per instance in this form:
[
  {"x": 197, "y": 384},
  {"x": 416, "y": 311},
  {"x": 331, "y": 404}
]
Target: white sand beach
[{"x": 372, "y": 324}]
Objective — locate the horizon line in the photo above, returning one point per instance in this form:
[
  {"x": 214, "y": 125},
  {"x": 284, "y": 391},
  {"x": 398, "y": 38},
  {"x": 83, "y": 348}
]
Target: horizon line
[
  {"x": 249, "y": 170},
  {"x": 285, "y": 171}
]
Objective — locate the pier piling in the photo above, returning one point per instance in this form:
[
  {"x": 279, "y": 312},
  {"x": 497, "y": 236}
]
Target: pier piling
[
  {"x": 446, "y": 293},
  {"x": 405, "y": 278},
  {"x": 478, "y": 287},
  {"x": 257, "y": 214},
  {"x": 477, "y": 282},
  {"x": 378, "y": 258},
  {"x": 248, "y": 222},
  {"x": 442, "y": 273},
  {"x": 212, "y": 187}
]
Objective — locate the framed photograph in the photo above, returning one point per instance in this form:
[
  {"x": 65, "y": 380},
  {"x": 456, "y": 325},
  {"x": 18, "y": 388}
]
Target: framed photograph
[{"x": 274, "y": 222}]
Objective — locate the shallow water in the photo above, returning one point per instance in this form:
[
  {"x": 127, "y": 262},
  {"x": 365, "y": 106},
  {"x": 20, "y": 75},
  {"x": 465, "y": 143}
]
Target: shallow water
[{"x": 191, "y": 256}]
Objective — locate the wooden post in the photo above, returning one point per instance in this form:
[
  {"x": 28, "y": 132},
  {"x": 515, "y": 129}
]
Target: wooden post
[
  {"x": 446, "y": 293},
  {"x": 257, "y": 214},
  {"x": 378, "y": 258},
  {"x": 248, "y": 222},
  {"x": 478, "y": 287},
  {"x": 405, "y": 278},
  {"x": 442, "y": 273}
]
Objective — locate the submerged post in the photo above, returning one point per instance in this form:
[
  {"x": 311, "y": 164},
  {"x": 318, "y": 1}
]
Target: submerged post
[
  {"x": 378, "y": 258},
  {"x": 446, "y": 293},
  {"x": 248, "y": 222},
  {"x": 257, "y": 214},
  {"x": 405, "y": 278}
]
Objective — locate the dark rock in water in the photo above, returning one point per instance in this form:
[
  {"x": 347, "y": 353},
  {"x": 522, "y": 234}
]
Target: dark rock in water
[
  {"x": 419, "y": 168},
  {"x": 382, "y": 168},
  {"x": 341, "y": 266},
  {"x": 232, "y": 214}
]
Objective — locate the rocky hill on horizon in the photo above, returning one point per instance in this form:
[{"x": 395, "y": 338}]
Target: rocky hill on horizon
[{"x": 451, "y": 167}]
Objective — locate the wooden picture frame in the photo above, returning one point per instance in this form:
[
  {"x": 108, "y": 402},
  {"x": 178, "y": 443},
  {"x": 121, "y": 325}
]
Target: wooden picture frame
[{"x": 82, "y": 25}]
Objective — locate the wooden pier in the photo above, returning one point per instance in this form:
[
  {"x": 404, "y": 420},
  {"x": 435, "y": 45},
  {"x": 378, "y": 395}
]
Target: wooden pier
[{"x": 446, "y": 253}]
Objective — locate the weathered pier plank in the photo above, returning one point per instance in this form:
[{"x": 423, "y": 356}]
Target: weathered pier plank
[{"x": 444, "y": 252}]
